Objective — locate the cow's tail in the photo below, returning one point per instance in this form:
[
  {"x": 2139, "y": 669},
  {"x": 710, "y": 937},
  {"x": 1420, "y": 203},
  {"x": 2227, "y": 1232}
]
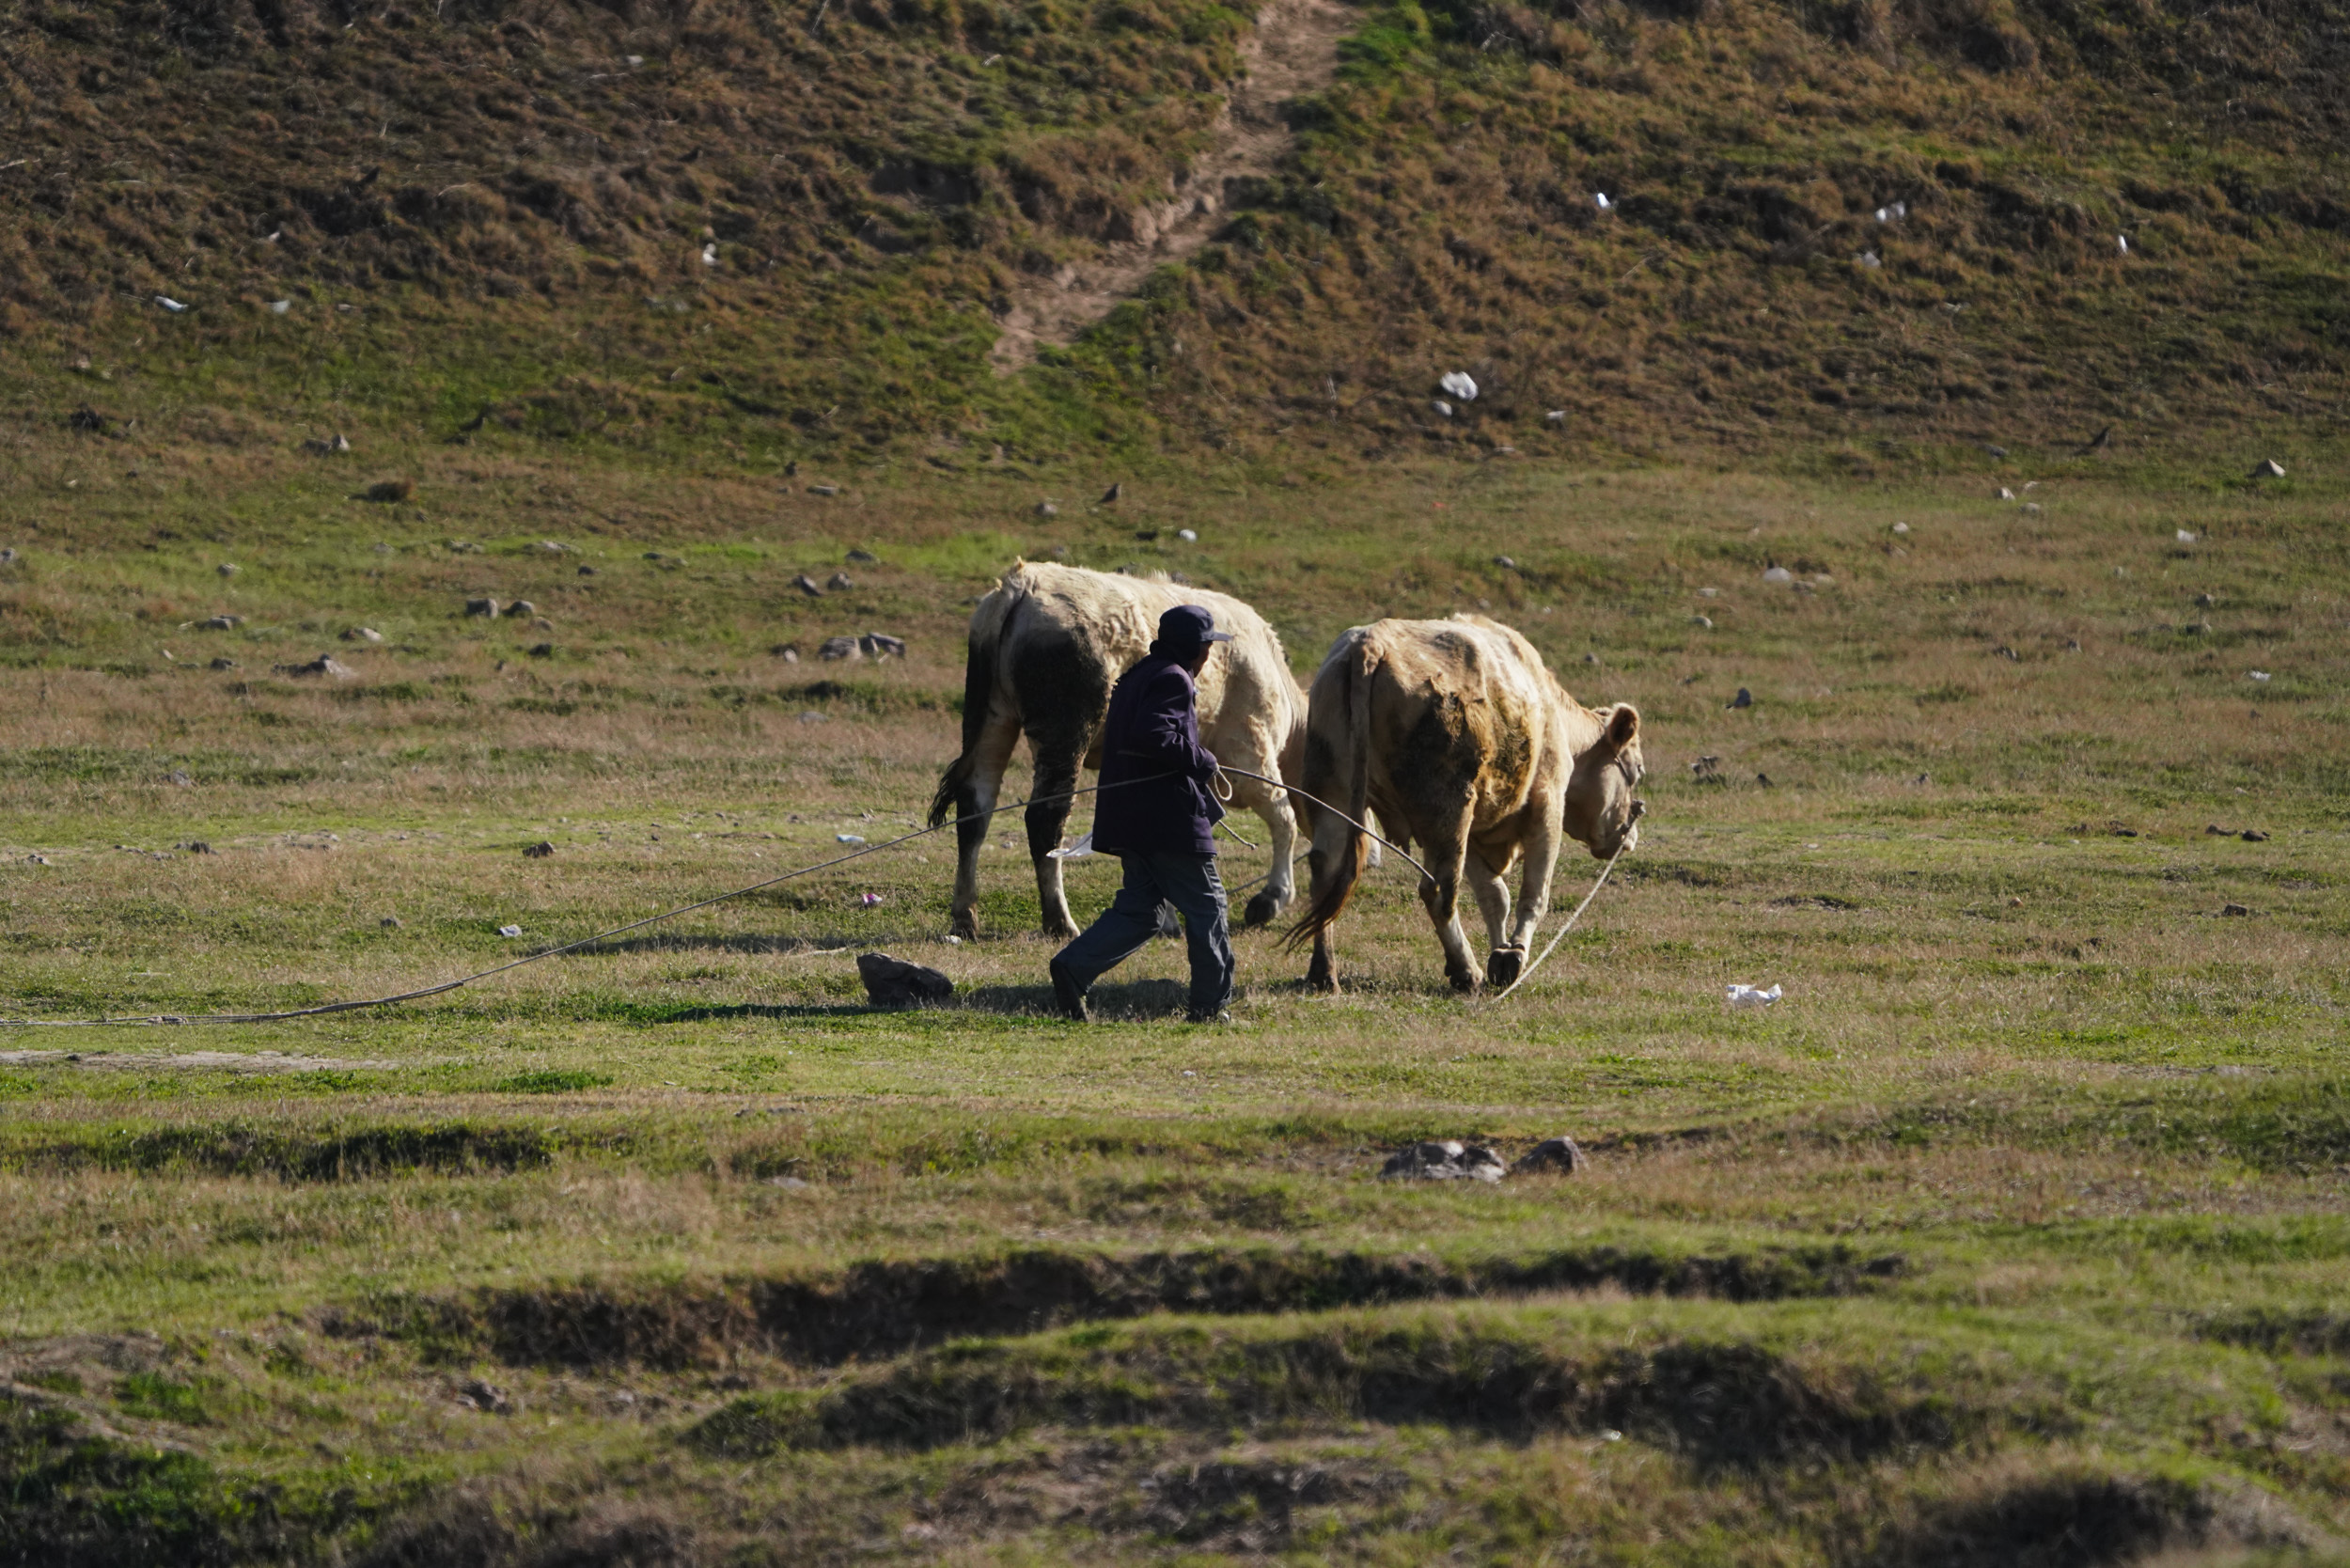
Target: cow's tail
[
  {"x": 1330, "y": 901},
  {"x": 978, "y": 690}
]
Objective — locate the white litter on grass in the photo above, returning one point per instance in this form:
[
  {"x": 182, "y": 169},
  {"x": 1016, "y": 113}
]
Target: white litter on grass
[
  {"x": 2124, "y": 240},
  {"x": 1601, "y": 198},
  {"x": 849, "y": 838},
  {"x": 509, "y": 931},
  {"x": 279, "y": 308},
  {"x": 2260, "y": 675},
  {"x": 1442, "y": 407},
  {"x": 1459, "y": 385},
  {"x": 1901, "y": 527},
  {"x": 709, "y": 256},
  {"x": 870, "y": 901},
  {"x": 169, "y": 304},
  {"x": 1189, "y": 536},
  {"x": 2186, "y": 536},
  {"x": 1747, "y": 995},
  {"x": 1077, "y": 851}
]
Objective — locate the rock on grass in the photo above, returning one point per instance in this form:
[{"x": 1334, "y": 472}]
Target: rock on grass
[{"x": 892, "y": 982}]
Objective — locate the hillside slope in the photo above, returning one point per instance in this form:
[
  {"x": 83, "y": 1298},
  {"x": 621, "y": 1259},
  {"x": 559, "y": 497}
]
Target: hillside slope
[
  {"x": 770, "y": 232},
  {"x": 1985, "y": 223}
]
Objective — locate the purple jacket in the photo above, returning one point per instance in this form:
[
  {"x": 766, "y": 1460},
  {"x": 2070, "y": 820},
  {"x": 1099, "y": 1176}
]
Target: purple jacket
[{"x": 1153, "y": 728}]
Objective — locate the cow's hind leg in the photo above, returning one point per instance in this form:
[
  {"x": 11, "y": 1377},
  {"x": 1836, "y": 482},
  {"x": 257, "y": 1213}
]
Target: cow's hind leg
[
  {"x": 1331, "y": 858},
  {"x": 975, "y": 807},
  {"x": 1062, "y": 690},
  {"x": 1446, "y": 857},
  {"x": 1057, "y": 754},
  {"x": 1322, "y": 974}
]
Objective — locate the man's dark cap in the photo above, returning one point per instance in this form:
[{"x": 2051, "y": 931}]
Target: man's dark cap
[{"x": 1187, "y": 629}]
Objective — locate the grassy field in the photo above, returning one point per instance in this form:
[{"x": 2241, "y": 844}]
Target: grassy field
[{"x": 2014, "y": 1233}]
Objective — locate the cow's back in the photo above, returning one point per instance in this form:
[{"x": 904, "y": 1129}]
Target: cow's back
[
  {"x": 1461, "y": 712},
  {"x": 1107, "y": 622}
]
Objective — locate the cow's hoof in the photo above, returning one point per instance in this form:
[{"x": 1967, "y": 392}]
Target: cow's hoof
[
  {"x": 1260, "y": 910},
  {"x": 966, "y": 926},
  {"x": 1464, "y": 979},
  {"x": 1060, "y": 930},
  {"x": 1321, "y": 978},
  {"x": 1504, "y": 965}
]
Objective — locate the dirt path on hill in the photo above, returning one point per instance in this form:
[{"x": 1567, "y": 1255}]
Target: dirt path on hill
[{"x": 1294, "y": 50}]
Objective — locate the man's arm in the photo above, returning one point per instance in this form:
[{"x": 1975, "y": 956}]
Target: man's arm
[{"x": 1166, "y": 733}]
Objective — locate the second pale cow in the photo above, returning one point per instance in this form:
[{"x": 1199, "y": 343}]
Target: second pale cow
[{"x": 1459, "y": 738}]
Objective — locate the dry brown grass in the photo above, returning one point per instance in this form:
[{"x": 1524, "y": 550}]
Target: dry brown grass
[{"x": 2088, "y": 1125}]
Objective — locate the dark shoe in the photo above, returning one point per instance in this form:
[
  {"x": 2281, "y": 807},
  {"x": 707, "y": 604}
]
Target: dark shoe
[
  {"x": 1071, "y": 1000},
  {"x": 1207, "y": 1017}
]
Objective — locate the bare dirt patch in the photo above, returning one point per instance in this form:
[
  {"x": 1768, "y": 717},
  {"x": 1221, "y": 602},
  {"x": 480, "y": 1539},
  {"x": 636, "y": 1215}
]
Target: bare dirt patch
[{"x": 1295, "y": 51}]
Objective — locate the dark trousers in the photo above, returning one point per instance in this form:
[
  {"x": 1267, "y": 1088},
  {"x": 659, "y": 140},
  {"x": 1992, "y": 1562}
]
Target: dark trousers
[{"x": 1190, "y": 884}]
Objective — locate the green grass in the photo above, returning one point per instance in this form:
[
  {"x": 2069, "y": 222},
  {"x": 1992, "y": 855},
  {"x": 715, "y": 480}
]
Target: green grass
[
  {"x": 2017, "y": 1222},
  {"x": 2013, "y": 1234}
]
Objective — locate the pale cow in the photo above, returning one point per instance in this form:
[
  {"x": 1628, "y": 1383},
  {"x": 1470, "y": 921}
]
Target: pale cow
[
  {"x": 1459, "y": 738},
  {"x": 1046, "y": 646}
]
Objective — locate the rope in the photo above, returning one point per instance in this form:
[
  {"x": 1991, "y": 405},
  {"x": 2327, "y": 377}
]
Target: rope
[
  {"x": 551, "y": 952},
  {"x": 1638, "y": 810},
  {"x": 1336, "y": 812}
]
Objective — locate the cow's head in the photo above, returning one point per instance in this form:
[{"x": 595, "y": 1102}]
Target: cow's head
[{"x": 1599, "y": 810}]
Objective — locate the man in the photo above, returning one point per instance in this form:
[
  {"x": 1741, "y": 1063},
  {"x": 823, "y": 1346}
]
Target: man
[{"x": 1157, "y": 812}]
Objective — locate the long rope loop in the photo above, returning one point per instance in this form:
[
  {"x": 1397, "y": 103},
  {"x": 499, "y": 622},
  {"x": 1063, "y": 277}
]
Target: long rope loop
[
  {"x": 1336, "y": 812},
  {"x": 1640, "y": 808}
]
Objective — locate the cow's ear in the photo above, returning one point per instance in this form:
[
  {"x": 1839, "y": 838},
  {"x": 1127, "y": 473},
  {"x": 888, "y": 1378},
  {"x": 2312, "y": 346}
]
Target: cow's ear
[{"x": 1623, "y": 726}]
